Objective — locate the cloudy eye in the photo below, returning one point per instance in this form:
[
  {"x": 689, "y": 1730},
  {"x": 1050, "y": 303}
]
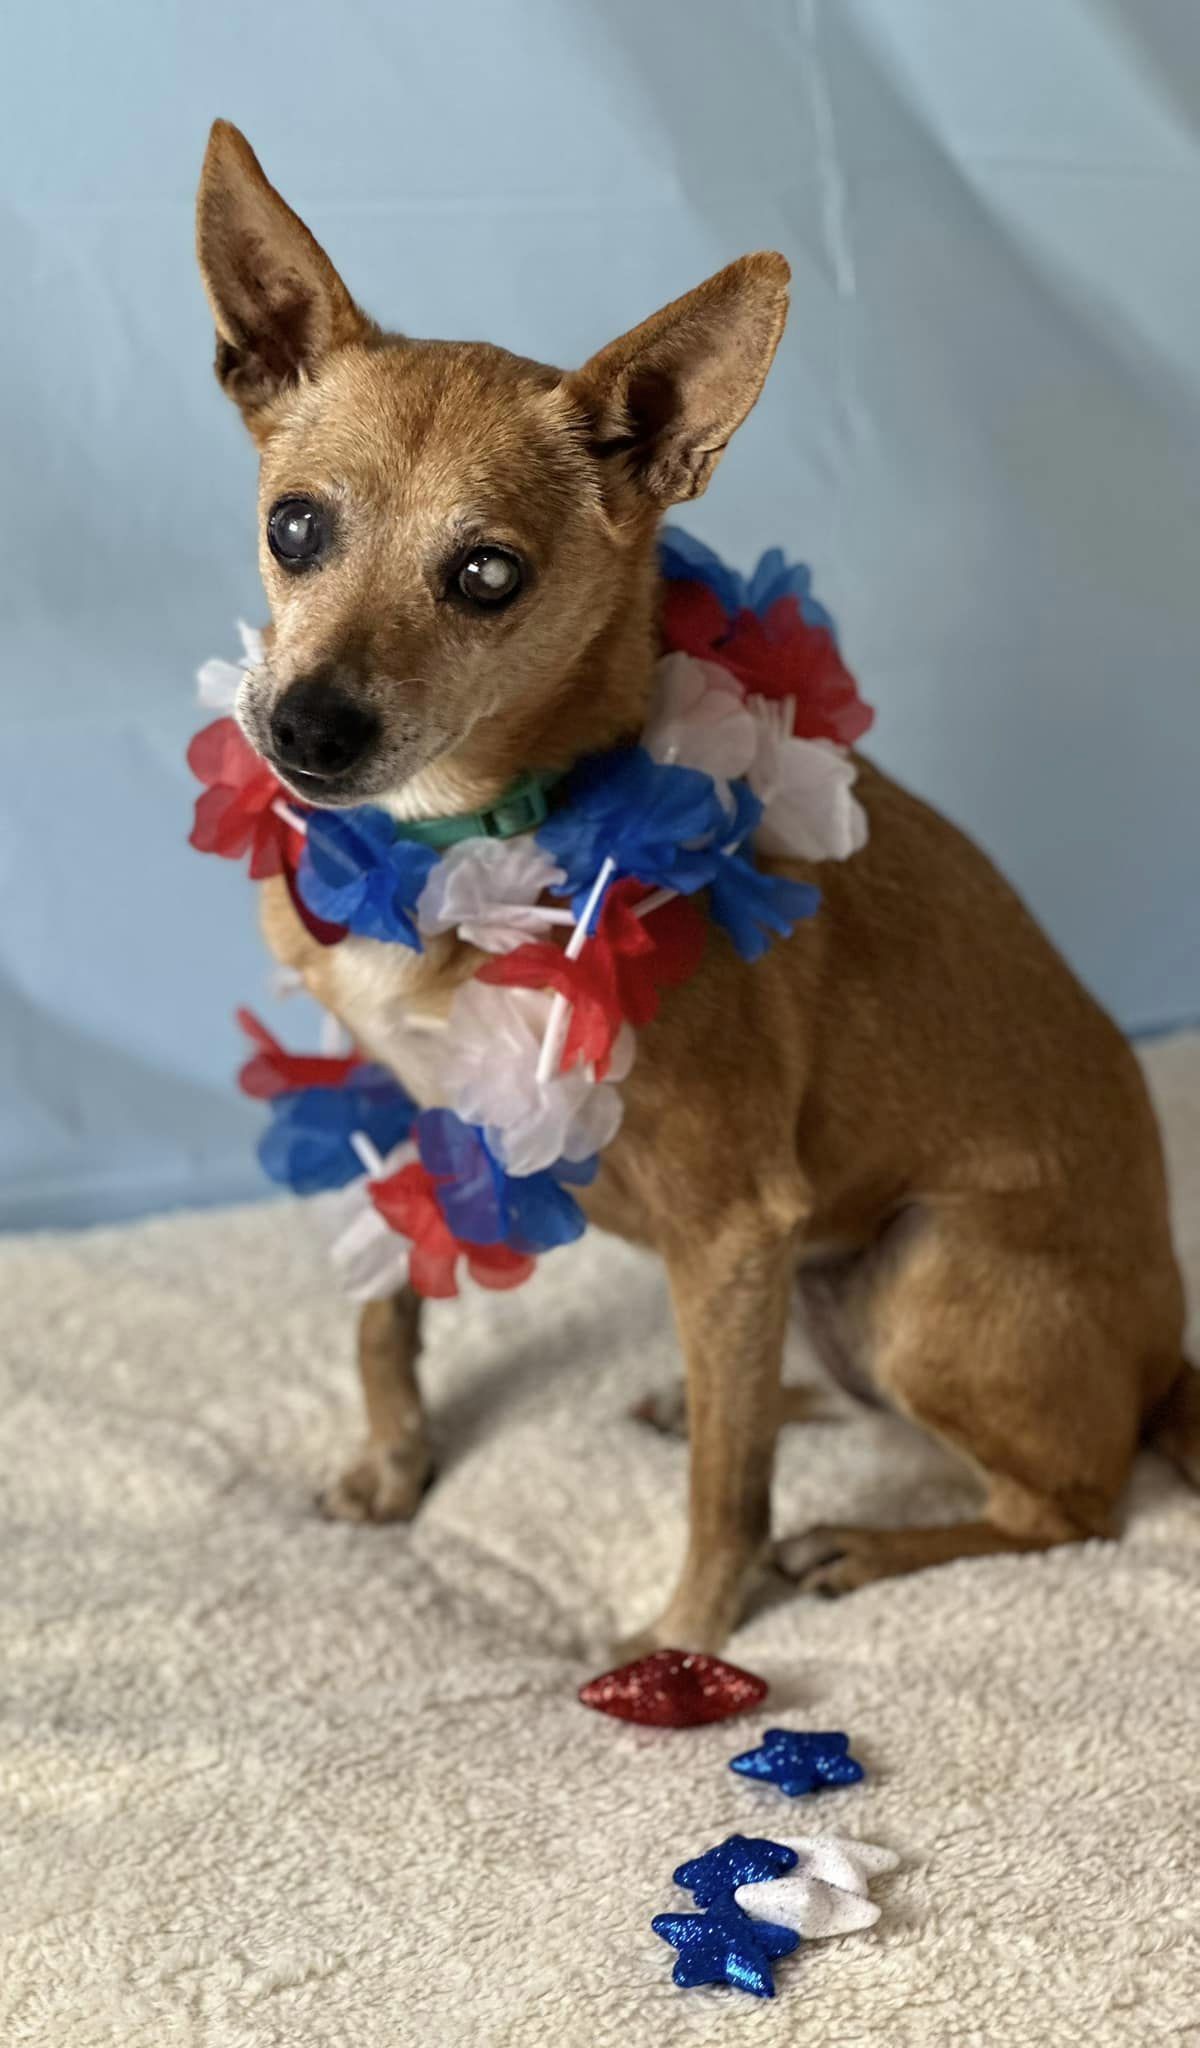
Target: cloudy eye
[
  {"x": 297, "y": 532},
  {"x": 489, "y": 577}
]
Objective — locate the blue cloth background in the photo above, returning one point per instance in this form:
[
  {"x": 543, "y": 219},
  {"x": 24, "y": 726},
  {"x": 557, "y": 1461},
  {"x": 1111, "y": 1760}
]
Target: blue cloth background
[{"x": 982, "y": 430}]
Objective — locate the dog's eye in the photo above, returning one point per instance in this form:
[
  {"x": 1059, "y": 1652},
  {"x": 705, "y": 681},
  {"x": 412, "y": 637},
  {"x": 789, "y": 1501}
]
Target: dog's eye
[
  {"x": 489, "y": 577},
  {"x": 296, "y": 532}
]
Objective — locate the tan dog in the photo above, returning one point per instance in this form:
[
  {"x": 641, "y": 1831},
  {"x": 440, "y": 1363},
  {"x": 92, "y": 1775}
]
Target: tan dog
[{"x": 912, "y": 1107}]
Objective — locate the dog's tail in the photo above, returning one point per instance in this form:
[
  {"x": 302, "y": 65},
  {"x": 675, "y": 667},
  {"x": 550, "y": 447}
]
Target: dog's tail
[{"x": 1174, "y": 1427}]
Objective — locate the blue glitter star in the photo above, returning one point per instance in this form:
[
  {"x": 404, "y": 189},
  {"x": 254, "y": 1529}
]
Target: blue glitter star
[
  {"x": 800, "y": 1763},
  {"x": 725, "y": 1946},
  {"x": 741, "y": 1859}
]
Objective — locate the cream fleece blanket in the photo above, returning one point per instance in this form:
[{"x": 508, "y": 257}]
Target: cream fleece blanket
[{"x": 268, "y": 1781}]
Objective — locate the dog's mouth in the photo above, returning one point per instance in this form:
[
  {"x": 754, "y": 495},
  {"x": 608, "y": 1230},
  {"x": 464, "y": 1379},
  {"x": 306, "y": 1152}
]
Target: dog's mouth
[
  {"x": 323, "y": 792},
  {"x": 373, "y": 776}
]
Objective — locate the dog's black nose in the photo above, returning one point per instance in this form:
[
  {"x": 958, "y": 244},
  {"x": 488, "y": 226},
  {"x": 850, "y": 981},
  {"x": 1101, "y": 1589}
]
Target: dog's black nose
[{"x": 317, "y": 729}]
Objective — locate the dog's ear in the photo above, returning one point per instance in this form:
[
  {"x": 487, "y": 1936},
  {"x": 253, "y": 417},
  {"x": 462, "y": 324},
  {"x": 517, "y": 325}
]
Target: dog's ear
[
  {"x": 277, "y": 301},
  {"x": 662, "y": 402}
]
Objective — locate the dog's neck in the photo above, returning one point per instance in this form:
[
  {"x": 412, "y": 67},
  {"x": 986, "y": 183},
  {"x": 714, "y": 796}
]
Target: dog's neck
[{"x": 600, "y": 698}]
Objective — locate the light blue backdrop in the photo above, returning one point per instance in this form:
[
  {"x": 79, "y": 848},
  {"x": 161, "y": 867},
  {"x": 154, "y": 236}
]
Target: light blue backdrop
[{"x": 983, "y": 429}]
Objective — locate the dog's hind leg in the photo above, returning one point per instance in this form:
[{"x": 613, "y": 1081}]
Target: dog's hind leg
[
  {"x": 731, "y": 1298},
  {"x": 832, "y": 1559},
  {"x": 1022, "y": 1361},
  {"x": 666, "y": 1409},
  {"x": 387, "y": 1482}
]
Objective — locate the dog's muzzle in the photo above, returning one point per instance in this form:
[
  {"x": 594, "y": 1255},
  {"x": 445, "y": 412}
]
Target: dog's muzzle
[{"x": 319, "y": 733}]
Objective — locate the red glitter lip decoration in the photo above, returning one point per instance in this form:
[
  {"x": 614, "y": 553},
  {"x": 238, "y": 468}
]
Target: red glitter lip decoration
[{"x": 674, "y": 1689}]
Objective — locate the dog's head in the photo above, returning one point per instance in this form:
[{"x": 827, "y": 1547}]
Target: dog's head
[{"x": 456, "y": 543}]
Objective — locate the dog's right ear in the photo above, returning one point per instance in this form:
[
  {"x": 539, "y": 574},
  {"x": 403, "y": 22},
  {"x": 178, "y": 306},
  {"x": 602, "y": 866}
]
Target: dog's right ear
[{"x": 278, "y": 303}]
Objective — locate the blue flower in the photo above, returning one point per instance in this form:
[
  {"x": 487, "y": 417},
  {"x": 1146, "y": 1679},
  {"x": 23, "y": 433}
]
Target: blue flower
[
  {"x": 680, "y": 556},
  {"x": 482, "y": 1204},
  {"x": 775, "y": 578},
  {"x": 577, "y": 1173},
  {"x": 683, "y": 558},
  {"x": 355, "y": 871},
  {"x": 540, "y": 1213},
  {"x": 656, "y": 821},
  {"x": 306, "y": 1146},
  {"x": 753, "y": 907}
]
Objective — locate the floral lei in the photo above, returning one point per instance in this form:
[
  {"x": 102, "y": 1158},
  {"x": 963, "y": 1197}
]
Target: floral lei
[{"x": 745, "y": 749}]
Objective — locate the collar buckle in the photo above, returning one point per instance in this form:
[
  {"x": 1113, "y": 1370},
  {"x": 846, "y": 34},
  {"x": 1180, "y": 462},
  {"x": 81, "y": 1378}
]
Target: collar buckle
[{"x": 523, "y": 806}]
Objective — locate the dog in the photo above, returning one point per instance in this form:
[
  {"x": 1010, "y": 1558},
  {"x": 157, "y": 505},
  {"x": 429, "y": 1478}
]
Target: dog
[{"x": 911, "y": 1112}]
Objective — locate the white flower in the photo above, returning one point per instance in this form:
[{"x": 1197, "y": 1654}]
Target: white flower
[
  {"x": 825, "y": 1892},
  {"x": 597, "y": 1118},
  {"x": 370, "y": 1259},
  {"x": 218, "y": 682},
  {"x": 699, "y": 719},
  {"x": 488, "y": 890},
  {"x": 805, "y": 786},
  {"x": 253, "y": 650},
  {"x": 490, "y": 1075}
]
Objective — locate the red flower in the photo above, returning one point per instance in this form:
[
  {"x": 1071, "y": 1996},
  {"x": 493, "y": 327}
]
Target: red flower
[
  {"x": 236, "y": 814},
  {"x": 620, "y": 974},
  {"x": 779, "y": 655},
  {"x": 651, "y": 953},
  {"x": 588, "y": 984},
  {"x": 272, "y": 1071},
  {"x": 694, "y": 621},
  {"x": 408, "y": 1203}
]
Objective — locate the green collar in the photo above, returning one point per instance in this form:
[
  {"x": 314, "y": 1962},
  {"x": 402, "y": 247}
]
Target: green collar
[{"x": 522, "y": 808}]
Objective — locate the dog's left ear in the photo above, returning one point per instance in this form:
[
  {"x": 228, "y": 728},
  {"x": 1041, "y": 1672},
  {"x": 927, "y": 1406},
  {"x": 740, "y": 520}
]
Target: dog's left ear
[
  {"x": 662, "y": 402},
  {"x": 279, "y": 306}
]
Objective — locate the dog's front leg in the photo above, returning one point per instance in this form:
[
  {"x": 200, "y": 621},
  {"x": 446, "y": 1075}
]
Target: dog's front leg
[
  {"x": 386, "y": 1483},
  {"x": 731, "y": 1294}
]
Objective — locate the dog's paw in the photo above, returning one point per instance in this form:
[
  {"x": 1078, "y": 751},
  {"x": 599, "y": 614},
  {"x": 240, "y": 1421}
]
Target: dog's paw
[
  {"x": 386, "y": 1485},
  {"x": 828, "y": 1561},
  {"x": 631, "y": 1649},
  {"x": 664, "y": 1409}
]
